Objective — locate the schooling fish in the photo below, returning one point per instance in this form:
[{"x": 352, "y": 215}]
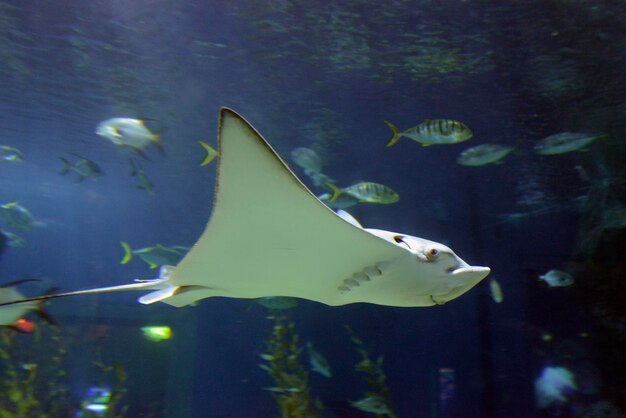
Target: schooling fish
[
  {"x": 557, "y": 278},
  {"x": 372, "y": 404},
  {"x": 143, "y": 182},
  {"x": 17, "y": 216},
  {"x": 14, "y": 240},
  {"x": 12, "y": 315},
  {"x": 307, "y": 159},
  {"x": 565, "y": 142},
  {"x": 366, "y": 191},
  {"x": 483, "y": 154},
  {"x": 155, "y": 256},
  {"x": 84, "y": 167},
  {"x": 311, "y": 163},
  {"x": 496, "y": 291},
  {"x": 129, "y": 133},
  {"x": 435, "y": 131},
  {"x": 10, "y": 154},
  {"x": 318, "y": 362}
]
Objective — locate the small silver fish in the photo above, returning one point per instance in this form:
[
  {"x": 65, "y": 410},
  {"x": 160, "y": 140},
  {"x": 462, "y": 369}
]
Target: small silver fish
[
  {"x": 496, "y": 291},
  {"x": 284, "y": 390},
  {"x": 318, "y": 362},
  {"x": 311, "y": 163},
  {"x": 17, "y": 216},
  {"x": 84, "y": 167},
  {"x": 557, "y": 278},
  {"x": 372, "y": 404},
  {"x": 431, "y": 132},
  {"x": 143, "y": 182},
  {"x": 565, "y": 142},
  {"x": 10, "y": 154},
  {"x": 14, "y": 240},
  {"x": 319, "y": 179},
  {"x": 129, "y": 133},
  {"x": 307, "y": 159},
  {"x": 483, "y": 154},
  {"x": 11, "y": 314}
]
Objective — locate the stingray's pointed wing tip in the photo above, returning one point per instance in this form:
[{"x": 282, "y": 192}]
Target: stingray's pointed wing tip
[{"x": 226, "y": 112}]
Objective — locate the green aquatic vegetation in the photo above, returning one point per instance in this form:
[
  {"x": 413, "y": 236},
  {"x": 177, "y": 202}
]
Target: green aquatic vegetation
[
  {"x": 30, "y": 387},
  {"x": 290, "y": 388},
  {"x": 374, "y": 376},
  {"x": 110, "y": 373},
  {"x": 34, "y": 381}
]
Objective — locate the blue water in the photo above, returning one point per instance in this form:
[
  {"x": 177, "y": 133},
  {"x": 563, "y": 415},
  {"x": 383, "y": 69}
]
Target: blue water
[{"x": 325, "y": 75}]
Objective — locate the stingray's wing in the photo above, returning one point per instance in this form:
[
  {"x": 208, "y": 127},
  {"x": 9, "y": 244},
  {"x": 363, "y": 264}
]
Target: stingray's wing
[{"x": 268, "y": 235}]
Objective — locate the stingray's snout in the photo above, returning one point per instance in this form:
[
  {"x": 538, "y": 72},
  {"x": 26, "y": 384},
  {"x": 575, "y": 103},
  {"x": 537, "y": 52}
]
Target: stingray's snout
[{"x": 475, "y": 273}]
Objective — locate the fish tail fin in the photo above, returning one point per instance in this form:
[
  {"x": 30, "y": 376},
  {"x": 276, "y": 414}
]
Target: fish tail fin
[
  {"x": 67, "y": 166},
  {"x": 158, "y": 141},
  {"x": 211, "y": 153},
  {"x": 336, "y": 191},
  {"x": 396, "y": 134},
  {"x": 128, "y": 254},
  {"x": 41, "y": 312}
]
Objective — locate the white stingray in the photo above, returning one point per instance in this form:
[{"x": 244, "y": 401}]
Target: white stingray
[{"x": 268, "y": 235}]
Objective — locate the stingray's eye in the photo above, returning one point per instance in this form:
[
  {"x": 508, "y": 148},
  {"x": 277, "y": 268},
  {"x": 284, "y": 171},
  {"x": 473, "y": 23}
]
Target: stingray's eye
[{"x": 431, "y": 253}]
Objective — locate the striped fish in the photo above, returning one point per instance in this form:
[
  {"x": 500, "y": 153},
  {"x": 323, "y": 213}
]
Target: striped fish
[
  {"x": 366, "y": 192},
  {"x": 433, "y": 131}
]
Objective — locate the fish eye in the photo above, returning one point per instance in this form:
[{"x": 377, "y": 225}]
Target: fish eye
[{"x": 431, "y": 253}]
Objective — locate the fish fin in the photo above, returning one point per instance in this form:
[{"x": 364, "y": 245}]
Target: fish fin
[
  {"x": 42, "y": 312},
  {"x": 128, "y": 254},
  {"x": 336, "y": 191},
  {"x": 396, "y": 134},
  {"x": 10, "y": 205},
  {"x": 67, "y": 166},
  {"x": 152, "y": 265},
  {"x": 139, "y": 152},
  {"x": 425, "y": 144},
  {"x": 211, "y": 153}
]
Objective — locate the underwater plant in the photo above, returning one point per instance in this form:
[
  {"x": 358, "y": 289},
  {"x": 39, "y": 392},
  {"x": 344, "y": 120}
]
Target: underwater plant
[
  {"x": 282, "y": 363},
  {"x": 29, "y": 387},
  {"x": 34, "y": 381},
  {"x": 376, "y": 398},
  {"x": 110, "y": 399}
]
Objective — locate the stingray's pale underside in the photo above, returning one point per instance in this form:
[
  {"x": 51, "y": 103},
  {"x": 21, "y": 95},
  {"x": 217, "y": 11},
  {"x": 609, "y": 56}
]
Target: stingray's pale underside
[{"x": 268, "y": 235}]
